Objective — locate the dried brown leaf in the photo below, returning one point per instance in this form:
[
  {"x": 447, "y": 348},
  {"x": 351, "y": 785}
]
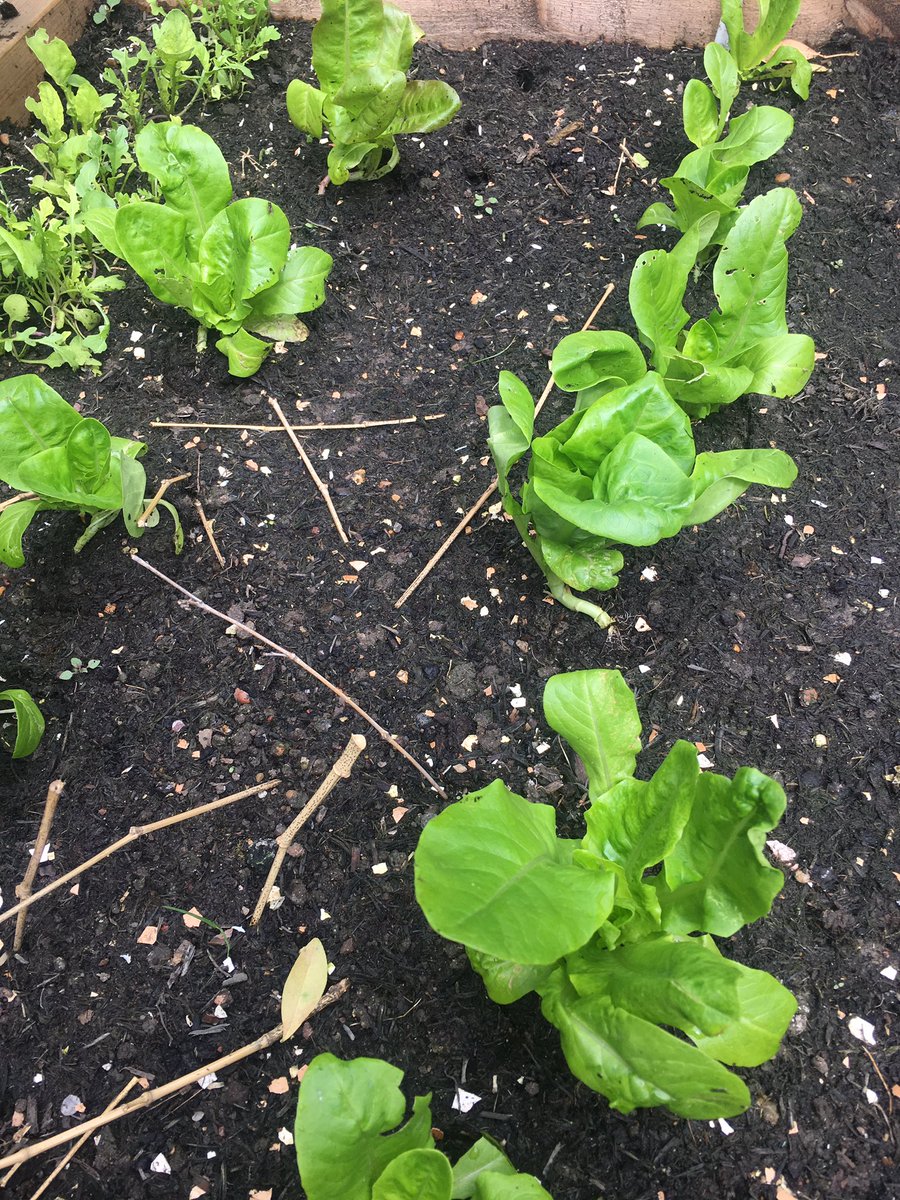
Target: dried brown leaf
[{"x": 304, "y": 987}]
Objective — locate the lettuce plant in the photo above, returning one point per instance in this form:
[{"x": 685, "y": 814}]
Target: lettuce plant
[
  {"x": 615, "y": 930},
  {"x": 362, "y": 50},
  {"x": 60, "y": 461},
  {"x": 712, "y": 178},
  {"x": 761, "y": 54},
  {"x": 230, "y": 265},
  {"x": 743, "y": 345},
  {"x": 27, "y": 718},
  {"x": 621, "y": 470},
  {"x": 345, "y": 1150}
]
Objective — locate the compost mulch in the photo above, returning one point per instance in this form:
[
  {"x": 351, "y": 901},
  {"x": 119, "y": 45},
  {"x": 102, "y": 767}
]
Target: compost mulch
[{"x": 756, "y": 636}]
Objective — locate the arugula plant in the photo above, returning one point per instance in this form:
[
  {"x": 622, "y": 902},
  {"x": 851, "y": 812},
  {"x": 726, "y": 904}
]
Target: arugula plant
[
  {"x": 346, "y": 1150},
  {"x": 230, "y": 265},
  {"x": 235, "y": 34},
  {"x": 743, "y": 345},
  {"x": 712, "y": 178},
  {"x": 73, "y": 144},
  {"x": 362, "y": 50},
  {"x": 615, "y": 930},
  {"x": 51, "y": 291},
  {"x": 27, "y": 719},
  {"x": 60, "y": 461},
  {"x": 621, "y": 470},
  {"x": 761, "y": 55}
]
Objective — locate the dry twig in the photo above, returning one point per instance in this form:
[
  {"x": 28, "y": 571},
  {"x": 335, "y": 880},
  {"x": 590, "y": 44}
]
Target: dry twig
[
  {"x": 160, "y": 492},
  {"x": 307, "y": 462},
  {"x": 208, "y": 530},
  {"x": 132, "y": 835},
  {"x": 15, "y": 499},
  {"x": 167, "y": 1089},
  {"x": 23, "y": 891},
  {"x": 304, "y": 666},
  {"x": 340, "y": 770},
  {"x": 489, "y": 491},
  {"x": 297, "y": 428},
  {"x": 73, "y": 1150}
]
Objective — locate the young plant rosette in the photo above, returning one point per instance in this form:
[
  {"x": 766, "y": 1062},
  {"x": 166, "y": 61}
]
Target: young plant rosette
[
  {"x": 615, "y": 930},
  {"x": 229, "y": 264}
]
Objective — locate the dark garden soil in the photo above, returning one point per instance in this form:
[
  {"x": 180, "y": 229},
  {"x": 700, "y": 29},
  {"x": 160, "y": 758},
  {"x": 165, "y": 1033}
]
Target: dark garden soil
[{"x": 770, "y": 629}]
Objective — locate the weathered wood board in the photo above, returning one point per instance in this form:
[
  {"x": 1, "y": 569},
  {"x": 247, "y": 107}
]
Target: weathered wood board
[
  {"x": 462, "y": 24},
  {"x": 20, "y": 71}
]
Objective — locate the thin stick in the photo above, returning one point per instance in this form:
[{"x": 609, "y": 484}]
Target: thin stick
[
  {"x": 208, "y": 530},
  {"x": 340, "y": 770},
  {"x": 15, "y": 499},
  {"x": 489, "y": 491},
  {"x": 167, "y": 1089},
  {"x": 160, "y": 492},
  {"x": 298, "y": 428},
  {"x": 323, "y": 490},
  {"x": 23, "y": 891},
  {"x": 304, "y": 666},
  {"x": 135, "y": 832},
  {"x": 73, "y": 1150}
]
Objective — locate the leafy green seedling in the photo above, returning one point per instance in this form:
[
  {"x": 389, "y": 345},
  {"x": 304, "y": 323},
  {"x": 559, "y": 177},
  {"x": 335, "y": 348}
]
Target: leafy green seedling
[
  {"x": 105, "y": 10},
  {"x": 621, "y": 470},
  {"x": 743, "y": 345},
  {"x": 762, "y": 54},
  {"x": 615, "y": 930},
  {"x": 73, "y": 144},
  {"x": 346, "y": 1150},
  {"x": 235, "y": 33},
  {"x": 51, "y": 290},
  {"x": 27, "y": 718},
  {"x": 60, "y": 461},
  {"x": 78, "y": 667},
  {"x": 485, "y": 202},
  {"x": 362, "y": 50},
  {"x": 230, "y": 265},
  {"x": 712, "y": 178}
]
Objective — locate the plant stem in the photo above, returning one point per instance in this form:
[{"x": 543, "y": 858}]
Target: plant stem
[{"x": 561, "y": 592}]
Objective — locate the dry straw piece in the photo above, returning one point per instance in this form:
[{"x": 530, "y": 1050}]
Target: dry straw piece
[
  {"x": 167, "y": 1089},
  {"x": 23, "y": 891},
  {"x": 298, "y": 661},
  {"x": 341, "y": 770},
  {"x": 132, "y": 835}
]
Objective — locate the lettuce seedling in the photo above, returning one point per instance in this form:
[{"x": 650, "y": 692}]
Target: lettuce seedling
[
  {"x": 230, "y": 265},
  {"x": 761, "y": 54},
  {"x": 615, "y": 930},
  {"x": 362, "y": 50},
  {"x": 744, "y": 345},
  {"x": 712, "y": 178},
  {"x": 346, "y": 1150},
  {"x": 621, "y": 470},
  {"x": 59, "y": 460},
  {"x": 27, "y": 718}
]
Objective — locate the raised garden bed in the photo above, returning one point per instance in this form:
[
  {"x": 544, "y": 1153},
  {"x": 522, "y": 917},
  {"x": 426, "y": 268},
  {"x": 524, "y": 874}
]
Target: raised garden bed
[{"x": 732, "y": 643}]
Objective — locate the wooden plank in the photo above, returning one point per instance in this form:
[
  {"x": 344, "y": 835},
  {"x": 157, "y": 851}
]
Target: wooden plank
[
  {"x": 20, "y": 71},
  {"x": 465, "y": 24}
]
